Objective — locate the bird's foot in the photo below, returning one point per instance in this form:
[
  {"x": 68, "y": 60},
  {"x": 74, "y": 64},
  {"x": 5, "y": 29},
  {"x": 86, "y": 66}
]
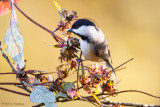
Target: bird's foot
[{"x": 79, "y": 60}]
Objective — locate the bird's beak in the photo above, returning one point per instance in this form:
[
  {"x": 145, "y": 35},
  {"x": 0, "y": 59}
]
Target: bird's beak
[{"x": 70, "y": 30}]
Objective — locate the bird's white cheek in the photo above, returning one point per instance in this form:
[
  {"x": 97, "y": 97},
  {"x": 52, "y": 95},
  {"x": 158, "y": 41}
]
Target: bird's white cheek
[{"x": 83, "y": 30}]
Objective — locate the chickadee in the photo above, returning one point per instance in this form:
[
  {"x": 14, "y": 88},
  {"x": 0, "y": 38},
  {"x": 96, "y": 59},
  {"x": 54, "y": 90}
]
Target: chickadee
[{"x": 93, "y": 43}]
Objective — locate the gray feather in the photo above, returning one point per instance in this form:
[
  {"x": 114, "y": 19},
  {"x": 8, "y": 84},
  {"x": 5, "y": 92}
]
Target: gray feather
[{"x": 112, "y": 72}]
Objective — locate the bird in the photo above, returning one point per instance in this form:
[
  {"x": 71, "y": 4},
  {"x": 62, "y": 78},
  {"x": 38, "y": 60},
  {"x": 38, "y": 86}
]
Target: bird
[{"x": 93, "y": 43}]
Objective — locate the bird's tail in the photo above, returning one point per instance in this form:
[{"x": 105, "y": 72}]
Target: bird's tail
[{"x": 112, "y": 72}]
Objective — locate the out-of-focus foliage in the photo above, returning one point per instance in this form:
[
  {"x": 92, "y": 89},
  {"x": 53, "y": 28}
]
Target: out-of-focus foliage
[{"x": 5, "y": 6}]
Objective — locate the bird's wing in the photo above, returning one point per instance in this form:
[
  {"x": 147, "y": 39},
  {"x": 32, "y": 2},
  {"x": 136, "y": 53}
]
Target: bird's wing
[
  {"x": 101, "y": 50},
  {"x": 109, "y": 55}
]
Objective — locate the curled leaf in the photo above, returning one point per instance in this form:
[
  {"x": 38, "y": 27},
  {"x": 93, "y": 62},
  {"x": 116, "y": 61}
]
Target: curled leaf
[
  {"x": 14, "y": 41},
  {"x": 58, "y": 8},
  {"x": 96, "y": 98}
]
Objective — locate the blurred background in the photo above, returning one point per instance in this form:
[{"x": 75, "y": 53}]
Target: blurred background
[{"x": 132, "y": 29}]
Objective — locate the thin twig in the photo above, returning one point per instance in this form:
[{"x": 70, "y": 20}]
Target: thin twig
[
  {"x": 120, "y": 69},
  {"x": 123, "y": 63},
  {"x": 35, "y": 84},
  {"x": 12, "y": 91},
  {"x": 7, "y": 59},
  {"x": 7, "y": 73},
  {"x": 36, "y": 23},
  {"x": 78, "y": 74},
  {"x": 39, "y": 105},
  {"x": 107, "y": 103},
  {"x": 42, "y": 73},
  {"x": 11, "y": 83},
  {"x": 24, "y": 88},
  {"x": 78, "y": 70},
  {"x": 14, "y": 71},
  {"x": 120, "y": 65},
  {"x": 84, "y": 99},
  {"x": 124, "y": 91}
]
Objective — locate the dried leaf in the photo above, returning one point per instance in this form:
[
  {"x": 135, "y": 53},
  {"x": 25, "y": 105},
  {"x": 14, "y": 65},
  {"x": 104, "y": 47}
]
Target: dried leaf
[
  {"x": 95, "y": 97},
  {"x": 58, "y": 8},
  {"x": 14, "y": 41}
]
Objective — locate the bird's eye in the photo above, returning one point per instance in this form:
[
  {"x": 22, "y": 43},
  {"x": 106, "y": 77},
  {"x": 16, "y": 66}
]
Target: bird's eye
[{"x": 76, "y": 27}]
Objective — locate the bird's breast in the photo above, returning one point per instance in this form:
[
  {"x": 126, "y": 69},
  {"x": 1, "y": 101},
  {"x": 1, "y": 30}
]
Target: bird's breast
[{"x": 87, "y": 51}]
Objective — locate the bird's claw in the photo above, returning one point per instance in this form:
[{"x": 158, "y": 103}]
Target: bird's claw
[{"x": 79, "y": 60}]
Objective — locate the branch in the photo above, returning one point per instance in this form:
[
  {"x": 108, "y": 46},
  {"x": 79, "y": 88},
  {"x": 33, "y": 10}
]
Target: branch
[
  {"x": 57, "y": 38},
  {"x": 10, "y": 83},
  {"x": 7, "y": 73},
  {"x": 83, "y": 99},
  {"x": 7, "y": 59},
  {"x": 24, "y": 88},
  {"x": 14, "y": 71},
  {"x": 142, "y": 92},
  {"x": 124, "y": 63},
  {"x": 39, "y": 105},
  {"x": 35, "y": 84},
  {"x": 12, "y": 91},
  {"x": 107, "y": 103},
  {"x": 78, "y": 70}
]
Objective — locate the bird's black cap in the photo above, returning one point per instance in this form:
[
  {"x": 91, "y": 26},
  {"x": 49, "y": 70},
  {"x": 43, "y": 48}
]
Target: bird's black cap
[
  {"x": 79, "y": 23},
  {"x": 82, "y": 22}
]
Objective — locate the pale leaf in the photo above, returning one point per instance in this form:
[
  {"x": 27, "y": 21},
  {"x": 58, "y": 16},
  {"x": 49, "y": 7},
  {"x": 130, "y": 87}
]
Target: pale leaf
[
  {"x": 14, "y": 41},
  {"x": 41, "y": 94}
]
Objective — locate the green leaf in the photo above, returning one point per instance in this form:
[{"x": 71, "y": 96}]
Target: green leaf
[{"x": 67, "y": 86}]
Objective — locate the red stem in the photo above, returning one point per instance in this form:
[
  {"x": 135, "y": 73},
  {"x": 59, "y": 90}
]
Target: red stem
[
  {"x": 11, "y": 84},
  {"x": 7, "y": 73},
  {"x": 16, "y": 92},
  {"x": 5, "y": 83},
  {"x": 57, "y": 38},
  {"x": 124, "y": 91}
]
